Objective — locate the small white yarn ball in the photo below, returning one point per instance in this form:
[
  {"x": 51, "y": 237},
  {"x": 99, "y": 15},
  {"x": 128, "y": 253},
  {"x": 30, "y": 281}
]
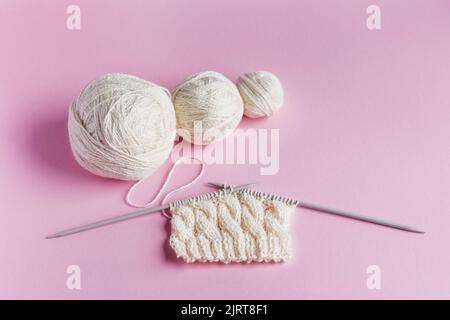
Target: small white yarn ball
[
  {"x": 262, "y": 93},
  {"x": 208, "y": 107},
  {"x": 122, "y": 127}
]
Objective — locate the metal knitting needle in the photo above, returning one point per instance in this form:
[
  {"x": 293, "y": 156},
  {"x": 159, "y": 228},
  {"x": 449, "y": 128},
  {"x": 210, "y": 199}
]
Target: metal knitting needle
[
  {"x": 348, "y": 215},
  {"x": 125, "y": 217},
  {"x": 359, "y": 217},
  {"x": 301, "y": 204}
]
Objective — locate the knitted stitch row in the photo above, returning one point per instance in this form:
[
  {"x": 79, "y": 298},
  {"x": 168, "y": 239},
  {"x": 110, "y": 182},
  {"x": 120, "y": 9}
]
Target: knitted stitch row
[{"x": 232, "y": 226}]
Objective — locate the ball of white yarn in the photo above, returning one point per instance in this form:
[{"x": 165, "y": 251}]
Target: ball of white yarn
[
  {"x": 262, "y": 93},
  {"x": 208, "y": 107},
  {"x": 122, "y": 127}
]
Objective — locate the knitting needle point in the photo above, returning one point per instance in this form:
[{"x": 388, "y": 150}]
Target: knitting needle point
[{"x": 55, "y": 235}]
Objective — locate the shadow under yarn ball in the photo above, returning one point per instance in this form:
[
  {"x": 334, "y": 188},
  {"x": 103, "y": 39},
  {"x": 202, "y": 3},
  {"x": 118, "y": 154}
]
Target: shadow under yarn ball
[
  {"x": 122, "y": 127},
  {"x": 208, "y": 107}
]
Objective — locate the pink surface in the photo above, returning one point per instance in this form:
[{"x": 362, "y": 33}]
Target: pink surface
[{"x": 365, "y": 127}]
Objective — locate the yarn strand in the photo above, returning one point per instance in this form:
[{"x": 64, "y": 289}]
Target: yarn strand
[{"x": 164, "y": 185}]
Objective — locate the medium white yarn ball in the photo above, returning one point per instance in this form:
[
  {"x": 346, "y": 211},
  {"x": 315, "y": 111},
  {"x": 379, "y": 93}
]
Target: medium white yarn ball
[
  {"x": 262, "y": 93},
  {"x": 208, "y": 107},
  {"x": 122, "y": 127}
]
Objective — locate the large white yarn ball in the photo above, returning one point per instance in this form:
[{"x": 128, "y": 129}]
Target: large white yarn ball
[
  {"x": 262, "y": 93},
  {"x": 122, "y": 127},
  {"x": 208, "y": 107}
]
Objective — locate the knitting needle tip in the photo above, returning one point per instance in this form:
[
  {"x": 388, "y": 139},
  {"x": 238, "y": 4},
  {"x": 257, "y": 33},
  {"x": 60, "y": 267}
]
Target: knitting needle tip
[
  {"x": 416, "y": 231},
  {"x": 52, "y": 236}
]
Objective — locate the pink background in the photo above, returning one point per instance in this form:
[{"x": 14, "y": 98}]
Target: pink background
[{"x": 365, "y": 127}]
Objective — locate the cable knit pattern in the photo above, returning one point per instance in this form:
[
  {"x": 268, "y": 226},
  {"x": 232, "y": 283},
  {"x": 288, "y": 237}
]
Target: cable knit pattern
[{"x": 227, "y": 226}]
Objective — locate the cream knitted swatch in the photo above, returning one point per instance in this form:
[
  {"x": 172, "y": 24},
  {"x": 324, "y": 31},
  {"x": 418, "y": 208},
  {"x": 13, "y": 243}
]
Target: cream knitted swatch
[{"x": 227, "y": 226}]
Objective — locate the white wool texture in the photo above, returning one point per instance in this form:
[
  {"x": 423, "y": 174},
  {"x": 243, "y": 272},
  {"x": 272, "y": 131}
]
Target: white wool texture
[
  {"x": 208, "y": 107},
  {"x": 262, "y": 93},
  {"x": 122, "y": 127},
  {"x": 242, "y": 226}
]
